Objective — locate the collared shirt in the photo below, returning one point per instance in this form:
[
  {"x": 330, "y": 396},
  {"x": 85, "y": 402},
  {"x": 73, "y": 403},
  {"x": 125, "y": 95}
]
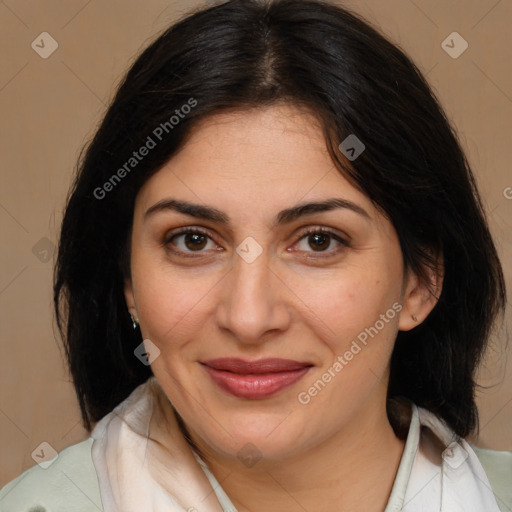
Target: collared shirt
[
  {"x": 418, "y": 483},
  {"x": 438, "y": 471}
]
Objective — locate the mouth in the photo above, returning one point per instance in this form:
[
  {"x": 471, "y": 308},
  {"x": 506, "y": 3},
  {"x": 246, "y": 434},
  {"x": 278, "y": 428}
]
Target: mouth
[{"x": 255, "y": 380}]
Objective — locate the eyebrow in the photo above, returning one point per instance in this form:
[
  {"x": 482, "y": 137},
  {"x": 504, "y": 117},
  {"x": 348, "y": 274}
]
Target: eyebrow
[{"x": 283, "y": 217}]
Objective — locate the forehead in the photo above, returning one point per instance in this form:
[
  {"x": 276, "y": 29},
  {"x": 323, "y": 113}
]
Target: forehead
[
  {"x": 271, "y": 157},
  {"x": 270, "y": 142}
]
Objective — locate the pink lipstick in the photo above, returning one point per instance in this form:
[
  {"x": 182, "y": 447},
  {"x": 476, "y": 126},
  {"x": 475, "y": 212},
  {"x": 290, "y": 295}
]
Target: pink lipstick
[{"x": 255, "y": 380}]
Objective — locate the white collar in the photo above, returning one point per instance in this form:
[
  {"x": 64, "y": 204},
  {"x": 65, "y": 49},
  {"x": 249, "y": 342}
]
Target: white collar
[
  {"x": 160, "y": 472},
  {"x": 439, "y": 471}
]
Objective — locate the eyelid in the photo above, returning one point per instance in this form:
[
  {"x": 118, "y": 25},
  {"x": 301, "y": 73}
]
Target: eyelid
[
  {"x": 335, "y": 233},
  {"x": 185, "y": 230}
]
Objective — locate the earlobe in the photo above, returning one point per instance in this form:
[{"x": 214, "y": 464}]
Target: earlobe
[
  {"x": 130, "y": 299},
  {"x": 420, "y": 298}
]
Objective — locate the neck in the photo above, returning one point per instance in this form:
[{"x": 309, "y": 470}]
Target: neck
[{"x": 352, "y": 470}]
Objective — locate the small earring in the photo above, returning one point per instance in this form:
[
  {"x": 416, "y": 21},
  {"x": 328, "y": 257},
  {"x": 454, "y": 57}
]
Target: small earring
[
  {"x": 135, "y": 323},
  {"x": 414, "y": 318}
]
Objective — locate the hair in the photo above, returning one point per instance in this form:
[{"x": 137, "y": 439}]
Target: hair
[{"x": 246, "y": 54}]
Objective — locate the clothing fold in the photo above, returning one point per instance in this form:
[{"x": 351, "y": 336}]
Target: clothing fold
[{"x": 144, "y": 462}]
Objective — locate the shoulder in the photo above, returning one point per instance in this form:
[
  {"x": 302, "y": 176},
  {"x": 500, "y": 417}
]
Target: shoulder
[
  {"x": 68, "y": 484},
  {"x": 498, "y": 468},
  {"x": 489, "y": 472}
]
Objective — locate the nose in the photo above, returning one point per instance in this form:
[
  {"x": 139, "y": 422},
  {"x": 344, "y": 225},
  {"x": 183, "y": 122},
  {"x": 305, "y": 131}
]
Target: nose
[{"x": 253, "y": 304}]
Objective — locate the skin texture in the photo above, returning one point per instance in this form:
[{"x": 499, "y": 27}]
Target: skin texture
[{"x": 293, "y": 301}]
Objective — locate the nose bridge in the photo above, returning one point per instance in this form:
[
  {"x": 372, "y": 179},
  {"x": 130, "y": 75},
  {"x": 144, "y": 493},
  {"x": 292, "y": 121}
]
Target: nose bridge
[
  {"x": 253, "y": 303},
  {"x": 250, "y": 277}
]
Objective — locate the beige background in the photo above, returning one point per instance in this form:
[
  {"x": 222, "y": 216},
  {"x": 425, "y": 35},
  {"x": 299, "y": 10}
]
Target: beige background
[{"x": 51, "y": 106}]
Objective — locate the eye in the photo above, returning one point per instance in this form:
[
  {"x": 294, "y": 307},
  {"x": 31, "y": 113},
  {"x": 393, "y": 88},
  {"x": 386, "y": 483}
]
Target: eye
[
  {"x": 190, "y": 241},
  {"x": 320, "y": 240}
]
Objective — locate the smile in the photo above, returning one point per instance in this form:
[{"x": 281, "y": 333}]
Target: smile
[{"x": 257, "y": 379}]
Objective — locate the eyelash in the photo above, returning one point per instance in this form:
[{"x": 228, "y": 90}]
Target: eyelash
[{"x": 310, "y": 231}]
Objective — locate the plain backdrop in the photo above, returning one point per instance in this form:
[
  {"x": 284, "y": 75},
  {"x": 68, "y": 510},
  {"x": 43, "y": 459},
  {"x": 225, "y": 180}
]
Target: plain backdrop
[{"x": 51, "y": 107}]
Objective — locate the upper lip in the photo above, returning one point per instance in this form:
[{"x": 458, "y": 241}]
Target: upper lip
[{"x": 240, "y": 366}]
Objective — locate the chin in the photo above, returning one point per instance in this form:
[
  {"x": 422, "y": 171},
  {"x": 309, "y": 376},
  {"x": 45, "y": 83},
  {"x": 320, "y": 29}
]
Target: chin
[{"x": 259, "y": 437}]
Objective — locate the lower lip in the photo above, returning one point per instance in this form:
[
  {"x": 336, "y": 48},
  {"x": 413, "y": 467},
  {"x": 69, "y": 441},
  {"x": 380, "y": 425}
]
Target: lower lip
[{"x": 255, "y": 386}]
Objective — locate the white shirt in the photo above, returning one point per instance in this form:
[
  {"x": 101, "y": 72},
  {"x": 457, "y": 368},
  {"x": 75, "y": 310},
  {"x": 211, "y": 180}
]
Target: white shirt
[
  {"x": 455, "y": 483},
  {"x": 109, "y": 472}
]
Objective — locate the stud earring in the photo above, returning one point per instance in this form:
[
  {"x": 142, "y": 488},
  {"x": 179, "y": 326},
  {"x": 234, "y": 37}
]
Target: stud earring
[{"x": 135, "y": 323}]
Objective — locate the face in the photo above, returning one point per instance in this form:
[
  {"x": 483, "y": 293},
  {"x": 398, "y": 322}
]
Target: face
[{"x": 275, "y": 320}]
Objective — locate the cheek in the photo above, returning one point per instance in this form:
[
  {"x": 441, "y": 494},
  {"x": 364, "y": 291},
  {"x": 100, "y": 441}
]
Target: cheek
[
  {"x": 362, "y": 316},
  {"x": 171, "y": 305},
  {"x": 345, "y": 304}
]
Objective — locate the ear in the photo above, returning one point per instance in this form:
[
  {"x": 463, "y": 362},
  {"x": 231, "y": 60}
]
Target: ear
[
  {"x": 419, "y": 297},
  {"x": 130, "y": 298}
]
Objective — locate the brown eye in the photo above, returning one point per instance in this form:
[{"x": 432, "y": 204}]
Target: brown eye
[
  {"x": 190, "y": 241},
  {"x": 320, "y": 240},
  {"x": 195, "y": 241}
]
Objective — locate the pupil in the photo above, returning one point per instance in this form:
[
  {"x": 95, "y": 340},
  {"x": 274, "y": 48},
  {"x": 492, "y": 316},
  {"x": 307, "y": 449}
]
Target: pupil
[
  {"x": 319, "y": 241},
  {"x": 194, "y": 241}
]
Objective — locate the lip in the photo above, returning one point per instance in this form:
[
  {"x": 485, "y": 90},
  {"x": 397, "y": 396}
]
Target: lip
[{"x": 255, "y": 380}]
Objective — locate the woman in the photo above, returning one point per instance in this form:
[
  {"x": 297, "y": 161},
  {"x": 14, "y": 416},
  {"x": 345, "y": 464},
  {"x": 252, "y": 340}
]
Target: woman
[{"x": 270, "y": 281}]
